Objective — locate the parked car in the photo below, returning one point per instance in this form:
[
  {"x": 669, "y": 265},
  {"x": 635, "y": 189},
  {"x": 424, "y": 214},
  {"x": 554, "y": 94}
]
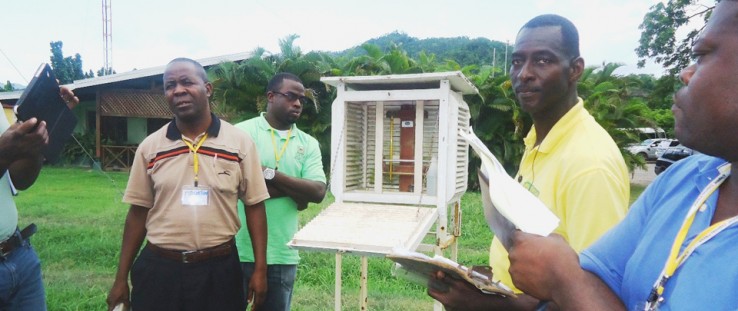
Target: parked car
[
  {"x": 670, "y": 156},
  {"x": 650, "y": 149},
  {"x": 661, "y": 148}
]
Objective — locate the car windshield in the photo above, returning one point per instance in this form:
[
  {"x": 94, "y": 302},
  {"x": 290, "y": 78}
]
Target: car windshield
[{"x": 646, "y": 142}]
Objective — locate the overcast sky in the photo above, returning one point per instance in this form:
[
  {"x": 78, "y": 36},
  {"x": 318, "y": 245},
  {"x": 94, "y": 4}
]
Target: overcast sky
[{"x": 149, "y": 33}]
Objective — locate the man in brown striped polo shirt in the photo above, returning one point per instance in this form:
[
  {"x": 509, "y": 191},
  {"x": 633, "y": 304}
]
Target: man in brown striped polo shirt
[{"x": 184, "y": 185}]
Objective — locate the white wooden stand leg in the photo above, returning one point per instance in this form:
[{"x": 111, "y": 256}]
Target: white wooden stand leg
[
  {"x": 437, "y": 306},
  {"x": 455, "y": 251},
  {"x": 364, "y": 276},
  {"x": 337, "y": 298}
]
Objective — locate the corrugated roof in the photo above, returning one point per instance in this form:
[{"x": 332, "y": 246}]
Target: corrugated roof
[
  {"x": 134, "y": 103},
  {"x": 12, "y": 95},
  {"x": 147, "y": 72}
]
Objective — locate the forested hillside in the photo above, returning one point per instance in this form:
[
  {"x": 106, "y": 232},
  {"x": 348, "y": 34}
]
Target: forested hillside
[{"x": 463, "y": 50}]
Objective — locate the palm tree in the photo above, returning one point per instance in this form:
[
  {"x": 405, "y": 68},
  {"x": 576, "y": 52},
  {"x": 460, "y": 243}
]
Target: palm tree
[
  {"x": 499, "y": 121},
  {"x": 229, "y": 92},
  {"x": 240, "y": 88},
  {"x": 371, "y": 63},
  {"x": 617, "y": 103},
  {"x": 377, "y": 62}
]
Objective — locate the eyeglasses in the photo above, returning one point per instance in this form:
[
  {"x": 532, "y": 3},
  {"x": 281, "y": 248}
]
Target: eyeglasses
[{"x": 292, "y": 97}]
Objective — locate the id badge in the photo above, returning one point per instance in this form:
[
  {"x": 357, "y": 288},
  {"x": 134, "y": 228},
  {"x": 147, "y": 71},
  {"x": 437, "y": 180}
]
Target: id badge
[{"x": 195, "y": 196}]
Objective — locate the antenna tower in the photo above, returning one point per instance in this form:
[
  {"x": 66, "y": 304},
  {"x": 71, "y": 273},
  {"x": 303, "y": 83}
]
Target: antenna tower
[{"x": 107, "y": 14}]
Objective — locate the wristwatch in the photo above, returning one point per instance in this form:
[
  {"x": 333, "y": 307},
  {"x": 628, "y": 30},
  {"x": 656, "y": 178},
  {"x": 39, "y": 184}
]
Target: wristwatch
[{"x": 268, "y": 173}]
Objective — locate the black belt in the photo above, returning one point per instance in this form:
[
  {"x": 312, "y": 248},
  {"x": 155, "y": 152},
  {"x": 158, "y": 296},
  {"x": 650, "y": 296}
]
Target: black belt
[
  {"x": 16, "y": 240},
  {"x": 194, "y": 256}
]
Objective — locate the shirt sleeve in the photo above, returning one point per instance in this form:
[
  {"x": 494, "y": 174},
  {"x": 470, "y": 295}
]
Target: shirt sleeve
[
  {"x": 253, "y": 188},
  {"x": 594, "y": 202},
  {"x": 313, "y": 166},
  {"x": 140, "y": 188},
  {"x": 608, "y": 256}
]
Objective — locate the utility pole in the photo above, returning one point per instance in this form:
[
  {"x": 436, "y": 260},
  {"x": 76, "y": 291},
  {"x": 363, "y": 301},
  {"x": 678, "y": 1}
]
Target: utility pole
[
  {"x": 107, "y": 14},
  {"x": 507, "y": 43},
  {"x": 494, "y": 61}
]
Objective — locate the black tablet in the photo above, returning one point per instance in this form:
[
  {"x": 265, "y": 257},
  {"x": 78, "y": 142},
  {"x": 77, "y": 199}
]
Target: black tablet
[{"x": 41, "y": 99}]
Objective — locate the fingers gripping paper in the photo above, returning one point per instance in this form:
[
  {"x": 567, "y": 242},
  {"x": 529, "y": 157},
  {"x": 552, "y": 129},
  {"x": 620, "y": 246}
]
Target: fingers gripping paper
[
  {"x": 503, "y": 196},
  {"x": 420, "y": 267}
]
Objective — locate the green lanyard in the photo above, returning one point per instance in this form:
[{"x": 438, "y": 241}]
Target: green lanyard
[
  {"x": 194, "y": 151},
  {"x": 676, "y": 259}
]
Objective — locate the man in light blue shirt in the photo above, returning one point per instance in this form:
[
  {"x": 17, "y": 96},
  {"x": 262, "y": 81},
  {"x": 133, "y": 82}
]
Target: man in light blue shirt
[{"x": 21, "y": 287}]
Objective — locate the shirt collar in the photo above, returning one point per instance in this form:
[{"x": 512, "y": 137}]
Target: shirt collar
[
  {"x": 173, "y": 132},
  {"x": 264, "y": 124},
  {"x": 559, "y": 130},
  {"x": 708, "y": 169}
]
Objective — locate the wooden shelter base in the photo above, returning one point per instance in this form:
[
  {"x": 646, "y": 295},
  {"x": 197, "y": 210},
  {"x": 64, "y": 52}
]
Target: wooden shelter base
[{"x": 364, "y": 230}]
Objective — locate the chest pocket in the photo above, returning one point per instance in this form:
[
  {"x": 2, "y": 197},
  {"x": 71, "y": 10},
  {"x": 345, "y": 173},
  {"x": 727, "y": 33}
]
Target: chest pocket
[{"x": 227, "y": 176}]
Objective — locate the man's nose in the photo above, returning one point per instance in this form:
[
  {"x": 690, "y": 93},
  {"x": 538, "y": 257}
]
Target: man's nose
[
  {"x": 525, "y": 72},
  {"x": 687, "y": 73},
  {"x": 297, "y": 102},
  {"x": 179, "y": 88}
]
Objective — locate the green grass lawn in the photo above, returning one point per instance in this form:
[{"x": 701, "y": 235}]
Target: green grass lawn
[{"x": 80, "y": 218}]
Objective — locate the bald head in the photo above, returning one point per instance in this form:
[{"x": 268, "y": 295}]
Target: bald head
[{"x": 199, "y": 69}]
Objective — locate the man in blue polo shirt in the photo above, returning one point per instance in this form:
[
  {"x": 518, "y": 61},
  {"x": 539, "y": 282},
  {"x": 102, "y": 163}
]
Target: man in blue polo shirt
[{"x": 293, "y": 171}]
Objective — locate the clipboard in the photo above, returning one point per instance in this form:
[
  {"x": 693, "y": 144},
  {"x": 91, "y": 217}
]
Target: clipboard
[
  {"x": 41, "y": 99},
  {"x": 422, "y": 266}
]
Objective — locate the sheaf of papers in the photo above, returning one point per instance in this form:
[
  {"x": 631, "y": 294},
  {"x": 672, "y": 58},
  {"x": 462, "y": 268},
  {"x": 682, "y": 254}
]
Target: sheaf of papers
[
  {"x": 510, "y": 199},
  {"x": 418, "y": 267}
]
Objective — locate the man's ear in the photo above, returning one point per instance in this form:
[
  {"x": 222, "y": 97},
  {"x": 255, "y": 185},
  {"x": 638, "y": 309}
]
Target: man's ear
[
  {"x": 208, "y": 89},
  {"x": 576, "y": 68}
]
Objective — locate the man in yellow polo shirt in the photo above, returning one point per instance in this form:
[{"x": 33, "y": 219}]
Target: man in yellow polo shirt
[{"x": 570, "y": 162}]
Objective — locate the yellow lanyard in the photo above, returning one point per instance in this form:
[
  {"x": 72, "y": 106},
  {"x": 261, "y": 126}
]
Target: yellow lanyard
[
  {"x": 194, "y": 152},
  {"x": 676, "y": 259},
  {"x": 278, "y": 155}
]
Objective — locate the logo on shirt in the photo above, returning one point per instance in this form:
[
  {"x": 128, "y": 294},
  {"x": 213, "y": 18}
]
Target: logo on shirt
[
  {"x": 300, "y": 153},
  {"x": 531, "y": 188}
]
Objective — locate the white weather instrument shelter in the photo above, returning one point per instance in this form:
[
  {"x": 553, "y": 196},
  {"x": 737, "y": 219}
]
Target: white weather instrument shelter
[{"x": 398, "y": 166}]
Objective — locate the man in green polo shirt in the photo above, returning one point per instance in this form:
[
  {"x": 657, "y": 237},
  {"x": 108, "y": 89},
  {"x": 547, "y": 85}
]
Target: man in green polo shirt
[{"x": 293, "y": 171}]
